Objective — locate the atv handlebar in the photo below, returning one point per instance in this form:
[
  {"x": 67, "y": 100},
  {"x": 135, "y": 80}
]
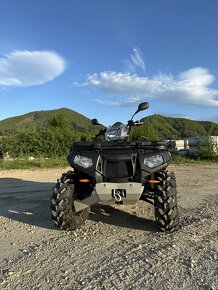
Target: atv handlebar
[
  {"x": 138, "y": 123},
  {"x": 135, "y": 123}
]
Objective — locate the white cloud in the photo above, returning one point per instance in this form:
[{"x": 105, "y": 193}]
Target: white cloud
[
  {"x": 137, "y": 58},
  {"x": 189, "y": 87},
  {"x": 28, "y": 68},
  {"x": 136, "y": 61},
  {"x": 103, "y": 101}
]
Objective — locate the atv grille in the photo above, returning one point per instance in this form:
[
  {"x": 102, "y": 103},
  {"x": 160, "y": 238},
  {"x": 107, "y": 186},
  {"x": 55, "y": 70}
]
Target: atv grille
[{"x": 118, "y": 169}]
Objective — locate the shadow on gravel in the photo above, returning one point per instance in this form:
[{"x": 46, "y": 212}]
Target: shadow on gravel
[
  {"x": 26, "y": 201},
  {"x": 29, "y": 202},
  {"x": 114, "y": 216}
]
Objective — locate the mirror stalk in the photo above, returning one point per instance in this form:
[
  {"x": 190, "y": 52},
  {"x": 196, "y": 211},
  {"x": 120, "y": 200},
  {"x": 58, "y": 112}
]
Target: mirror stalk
[{"x": 141, "y": 107}]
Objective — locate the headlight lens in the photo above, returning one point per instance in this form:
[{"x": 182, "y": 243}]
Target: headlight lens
[
  {"x": 154, "y": 160},
  {"x": 113, "y": 134},
  {"x": 83, "y": 161}
]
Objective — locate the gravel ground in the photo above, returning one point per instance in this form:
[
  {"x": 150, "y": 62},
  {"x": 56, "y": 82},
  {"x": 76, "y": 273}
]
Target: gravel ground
[{"x": 117, "y": 248}]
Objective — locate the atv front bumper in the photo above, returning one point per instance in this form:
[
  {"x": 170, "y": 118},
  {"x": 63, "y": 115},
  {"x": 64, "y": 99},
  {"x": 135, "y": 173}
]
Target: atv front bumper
[{"x": 112, "y": 193}]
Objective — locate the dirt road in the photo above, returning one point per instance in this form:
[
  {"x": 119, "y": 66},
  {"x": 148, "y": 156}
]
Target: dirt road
[{"x": 117, "y": 248}]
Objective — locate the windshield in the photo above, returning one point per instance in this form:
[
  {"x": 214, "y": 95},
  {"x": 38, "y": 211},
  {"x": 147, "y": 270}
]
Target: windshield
[{"x": 118, "y": 131}]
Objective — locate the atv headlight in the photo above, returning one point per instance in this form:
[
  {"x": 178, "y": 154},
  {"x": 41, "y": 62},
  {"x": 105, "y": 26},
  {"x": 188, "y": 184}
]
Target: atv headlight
[
  {"x": 83, "y": 161},
  {"x": 153, "y": 161},
  {"x": 117, "y": 131},
  {"x": 113, "y": 135}
]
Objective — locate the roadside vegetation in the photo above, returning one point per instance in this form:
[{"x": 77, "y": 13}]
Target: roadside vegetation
[
  {"x": 40, "y": 147},
  {"x": 177, "y": 159},
  {"x": 52, "y": 141},
  {"x": 46, "y": 147}
]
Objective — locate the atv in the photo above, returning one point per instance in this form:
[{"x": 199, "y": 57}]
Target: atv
[{"x": 115, "y": 171}]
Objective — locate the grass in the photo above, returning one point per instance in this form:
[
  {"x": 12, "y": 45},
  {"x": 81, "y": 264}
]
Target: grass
[
  {"x": 36, "y": 163},
  {"x": 193, "y": 160},
  {"x": 61, "y": 162}
]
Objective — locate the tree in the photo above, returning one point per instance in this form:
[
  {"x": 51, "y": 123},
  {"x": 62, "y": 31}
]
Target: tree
[
  {"x": 58, "y": 121},
  {"x": 208, "y": 149},
  {"x": 146, "y": 131}
]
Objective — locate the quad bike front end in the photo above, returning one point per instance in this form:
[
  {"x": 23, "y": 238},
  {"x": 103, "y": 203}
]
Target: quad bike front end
[
  {"x": 112, "y": 174},
  {"x": 115, "y": 171}
]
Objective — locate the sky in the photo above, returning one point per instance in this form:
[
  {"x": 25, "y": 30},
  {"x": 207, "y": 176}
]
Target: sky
[{"x": 102, "y": 58}]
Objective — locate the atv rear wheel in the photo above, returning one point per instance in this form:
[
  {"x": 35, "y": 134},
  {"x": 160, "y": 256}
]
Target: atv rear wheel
[
  {"x": 62, "y": 208},
  {"x": 165, "y": 201}
]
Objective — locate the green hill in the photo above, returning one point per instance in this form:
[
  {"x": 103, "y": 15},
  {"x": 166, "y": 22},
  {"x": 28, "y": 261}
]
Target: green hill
[
  {"x": 178, "y": 128},
  {"x": 40, "y": 119},
  {"x": 156, "y": 127}
]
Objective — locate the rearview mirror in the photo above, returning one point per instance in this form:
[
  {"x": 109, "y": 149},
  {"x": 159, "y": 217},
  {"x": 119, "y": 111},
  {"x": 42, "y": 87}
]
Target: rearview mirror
[
  {"x": 94, "y": 122},
  {"x": 143, "y": 106}
]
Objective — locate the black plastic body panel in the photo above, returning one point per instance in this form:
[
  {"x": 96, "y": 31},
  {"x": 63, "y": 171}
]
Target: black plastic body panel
[{"x": 118, "y": 161}]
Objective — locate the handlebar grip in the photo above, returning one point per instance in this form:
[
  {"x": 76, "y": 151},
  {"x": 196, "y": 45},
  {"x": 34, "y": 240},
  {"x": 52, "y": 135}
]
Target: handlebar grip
[{"x": 138, "y": 123}]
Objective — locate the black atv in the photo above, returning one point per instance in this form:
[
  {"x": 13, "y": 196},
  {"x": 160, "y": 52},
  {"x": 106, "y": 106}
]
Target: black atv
[{"x": 116, "y": 171}]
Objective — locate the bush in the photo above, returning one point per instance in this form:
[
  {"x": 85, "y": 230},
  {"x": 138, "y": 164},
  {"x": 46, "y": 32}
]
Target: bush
[
  {"x": 53, "y": 141},
  {"x": 145, "y": 131},
  {"x": 208, "y": 150}
]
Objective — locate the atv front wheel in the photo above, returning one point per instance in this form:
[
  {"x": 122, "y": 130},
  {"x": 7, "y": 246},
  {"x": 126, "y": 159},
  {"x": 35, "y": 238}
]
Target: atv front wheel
[
  {"x": 165, "y": 201},
  {"x": 62, "y": 208}
]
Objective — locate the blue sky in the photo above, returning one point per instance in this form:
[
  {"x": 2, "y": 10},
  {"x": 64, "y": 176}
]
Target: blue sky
[{"x": 102, "y": 58}]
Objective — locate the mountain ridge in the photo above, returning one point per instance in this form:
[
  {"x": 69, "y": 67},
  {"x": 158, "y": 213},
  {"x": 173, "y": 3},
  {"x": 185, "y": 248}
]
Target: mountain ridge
[
  {"x": 162, "y": 126},
  {"x": 41, "y": 119}
]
